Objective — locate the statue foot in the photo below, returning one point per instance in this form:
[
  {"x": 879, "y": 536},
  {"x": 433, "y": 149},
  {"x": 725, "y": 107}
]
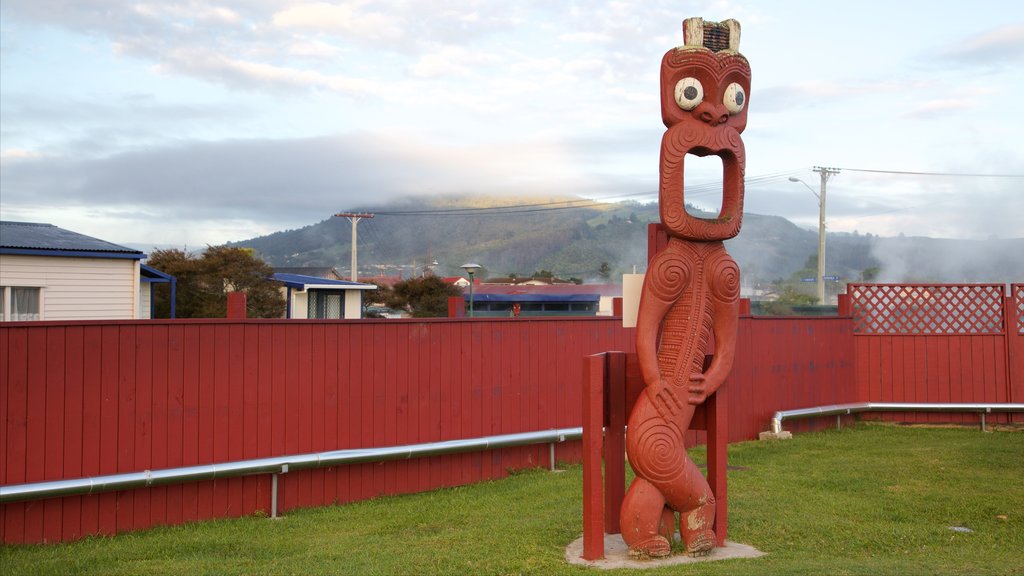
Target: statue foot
[
  {"x": 700, "y": 543},
  {"x": 653, "y": 547}
]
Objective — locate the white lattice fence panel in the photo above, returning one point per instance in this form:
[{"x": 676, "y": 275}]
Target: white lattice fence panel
[{"x": 927, "y": 309}]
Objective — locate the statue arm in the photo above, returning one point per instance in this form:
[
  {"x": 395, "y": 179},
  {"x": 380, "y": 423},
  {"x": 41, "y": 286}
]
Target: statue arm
[{"x": 657, "y": 297}]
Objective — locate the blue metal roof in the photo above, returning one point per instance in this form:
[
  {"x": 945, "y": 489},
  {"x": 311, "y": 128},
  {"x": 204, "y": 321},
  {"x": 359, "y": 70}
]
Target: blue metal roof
[
  {"x": 301, "y": 281},
  {"x": 32, "y": 238},
  {"x": 150, "y": 274},
  {"x": 534, "y": 297}
]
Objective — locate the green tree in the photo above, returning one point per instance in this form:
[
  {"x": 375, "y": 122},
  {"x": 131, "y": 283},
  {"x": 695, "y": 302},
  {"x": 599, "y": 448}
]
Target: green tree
[
  {"x": 204, "y": 281},
  {"x": 382, "y": 296},
  {"x": 425, "y": 297},
  {"x": 605, "y": 271}
]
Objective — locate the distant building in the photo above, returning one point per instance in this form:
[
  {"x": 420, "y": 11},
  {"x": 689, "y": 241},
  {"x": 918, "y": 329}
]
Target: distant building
[
  {"x": 315, "y": 297},
  {"x": 460, "y": 281},
  {"x": 49, "y": 273},
  {"x": 544, "y": 300}
]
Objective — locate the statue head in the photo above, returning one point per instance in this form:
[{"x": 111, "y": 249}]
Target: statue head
[{"x": 705, "y": 86}]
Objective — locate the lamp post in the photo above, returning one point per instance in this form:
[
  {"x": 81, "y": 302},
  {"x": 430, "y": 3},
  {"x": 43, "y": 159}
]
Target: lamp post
[
  {"x": 825, "y": 174},
  {"x": 471, "y": 268}
]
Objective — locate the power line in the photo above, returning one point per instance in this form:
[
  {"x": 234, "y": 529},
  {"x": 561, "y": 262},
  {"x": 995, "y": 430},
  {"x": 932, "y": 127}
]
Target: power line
[{"x": 955, "y": 174}]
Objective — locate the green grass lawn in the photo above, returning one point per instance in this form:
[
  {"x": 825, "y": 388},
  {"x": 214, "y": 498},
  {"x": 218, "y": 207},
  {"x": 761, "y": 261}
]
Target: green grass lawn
[{"x": 871, "y": 499}]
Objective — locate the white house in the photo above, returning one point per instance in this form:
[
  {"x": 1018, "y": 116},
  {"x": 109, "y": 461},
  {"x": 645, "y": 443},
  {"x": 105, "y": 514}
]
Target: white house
[
  {"x": 314, "y": 297},
  {"x": 49, "y": 273}
]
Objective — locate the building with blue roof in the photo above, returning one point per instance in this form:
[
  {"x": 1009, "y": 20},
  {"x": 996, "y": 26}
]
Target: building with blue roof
[
  {"x": 316, "y": 297},
  {"x": 49, "y": 273}
]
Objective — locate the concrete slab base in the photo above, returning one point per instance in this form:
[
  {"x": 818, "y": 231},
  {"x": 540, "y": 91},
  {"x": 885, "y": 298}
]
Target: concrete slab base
[
  {"x": 784, "y": 435},
  {"x": 616, "y": 555}
]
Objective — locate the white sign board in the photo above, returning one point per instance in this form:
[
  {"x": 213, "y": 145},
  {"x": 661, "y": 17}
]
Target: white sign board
[{"x": 632, "y": 285}]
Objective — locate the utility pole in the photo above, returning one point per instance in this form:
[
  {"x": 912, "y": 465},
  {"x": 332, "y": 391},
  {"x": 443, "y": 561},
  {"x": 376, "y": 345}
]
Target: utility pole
[
  {"x": 354, "y": 217},
  {"x": 825, "y": 174}
]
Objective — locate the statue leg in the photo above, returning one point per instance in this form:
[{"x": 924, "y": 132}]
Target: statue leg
[
  {"x": 647, "y": 525},
  {"x": 697, "y": 513}
]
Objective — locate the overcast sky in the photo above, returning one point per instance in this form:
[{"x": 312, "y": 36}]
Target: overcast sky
[{"x": 192, "y": 123}]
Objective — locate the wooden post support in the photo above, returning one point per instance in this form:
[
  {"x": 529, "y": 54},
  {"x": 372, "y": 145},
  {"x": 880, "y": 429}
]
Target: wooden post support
[
  {"x": 593, "y": 420},
  {"x": 615, "y": 441},
  {"x": 718, "y": 440}
]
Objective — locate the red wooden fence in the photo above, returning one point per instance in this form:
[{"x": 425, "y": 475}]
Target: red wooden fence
[
  {"x": 945, "y": 343},
  {"x": 114, "y": 397},
  {"x": 95, "y": 398}
]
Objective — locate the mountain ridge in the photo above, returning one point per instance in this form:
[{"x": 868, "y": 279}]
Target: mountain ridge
[{"x": 572, "y": 237}]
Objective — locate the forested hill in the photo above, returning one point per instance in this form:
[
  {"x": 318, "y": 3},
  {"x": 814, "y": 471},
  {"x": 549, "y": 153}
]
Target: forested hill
[{"x": 573, "y": 238}]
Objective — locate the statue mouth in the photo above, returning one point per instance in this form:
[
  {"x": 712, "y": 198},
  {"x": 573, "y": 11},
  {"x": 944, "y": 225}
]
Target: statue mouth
[{"x": 701, "y": 141}]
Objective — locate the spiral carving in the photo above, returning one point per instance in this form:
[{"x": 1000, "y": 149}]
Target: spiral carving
[
  {"x": 667, "y": 276},
  {"x": 725, "y": 279},
  {"x": 662, "y": 452}
]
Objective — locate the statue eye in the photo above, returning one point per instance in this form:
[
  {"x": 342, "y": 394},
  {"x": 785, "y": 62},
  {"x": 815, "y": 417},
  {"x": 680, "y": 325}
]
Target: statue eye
[
  {"x": 689, "y": 93},
  {"x": 735, "y": 98}
]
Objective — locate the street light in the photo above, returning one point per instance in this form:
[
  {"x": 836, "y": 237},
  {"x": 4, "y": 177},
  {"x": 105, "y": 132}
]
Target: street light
[
  {"x": 471, "y": 268},
  {"x": 825, "y": 174},
  {"x": 821, "y": 235}
]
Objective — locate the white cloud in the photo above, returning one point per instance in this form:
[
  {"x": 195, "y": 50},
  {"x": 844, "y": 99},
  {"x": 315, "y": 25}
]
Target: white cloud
[
  {"x": 991, "y": 48},
  {"x": 938, "y": 108},
  {"x": 18, "y": 154},
  {"x": 346, "y": 18},
  {"x": 451, "y": 61},
  {"x": 217, "y": 67}
]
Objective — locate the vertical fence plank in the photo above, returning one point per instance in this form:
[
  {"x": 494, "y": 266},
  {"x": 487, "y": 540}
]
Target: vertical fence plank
[
  {"x": 143, "y": 422},
  {"x": 247, "y": 446},
  {"x": 125, "y": 431},
  {"x": 266, "y": 424},
  {"x": 54, "y": 428},
  {"x": 237, "y": 371},
  {"x": 317, "y": 362},
  {"x": 328, "y": 411},
  {"x": 74, "y": 375},
  {"x": 161, "y": 422},
  {"x": 16, "y": 434},
  {"x": 176, "y": 418},
  {"x": 191, "y": 423},
  {"x": 392, "y": 371},
  {"x": 218, "y": 416}
]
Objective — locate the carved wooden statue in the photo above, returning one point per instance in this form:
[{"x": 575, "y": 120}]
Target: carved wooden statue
[{"x": 691, "y": 291}]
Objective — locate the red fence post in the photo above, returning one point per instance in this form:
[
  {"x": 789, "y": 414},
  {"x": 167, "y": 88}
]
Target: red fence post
[
  {"x": 593, "y": 422},
  {"x": 236, "y": 305},
  {"x": 615, "y": 441},
  {"x": 717, "y": 416},
  {"x": 456, "y": 307},
  {"x": 844, "y": 304}
]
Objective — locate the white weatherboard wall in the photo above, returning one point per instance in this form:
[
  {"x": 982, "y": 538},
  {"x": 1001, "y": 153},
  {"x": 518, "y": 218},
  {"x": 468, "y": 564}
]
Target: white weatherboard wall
[
  {"x": 300, "y": 305},
  {"x": 77, "y": 288},
  {"x": 353, "y": 303},
  {"x": 145, "y": 303}
]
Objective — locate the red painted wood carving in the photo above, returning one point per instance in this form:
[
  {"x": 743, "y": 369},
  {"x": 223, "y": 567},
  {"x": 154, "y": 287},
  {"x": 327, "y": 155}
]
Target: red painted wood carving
[{"x": 690, "y": 293}]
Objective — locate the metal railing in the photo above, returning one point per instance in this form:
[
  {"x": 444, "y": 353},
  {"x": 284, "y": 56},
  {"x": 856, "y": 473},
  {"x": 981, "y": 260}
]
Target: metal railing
[
  {"x": 839, "y": 410},
  {"x": 280, "y": 465}
]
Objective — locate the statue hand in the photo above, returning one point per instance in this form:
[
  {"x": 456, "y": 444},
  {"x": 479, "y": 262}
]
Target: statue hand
[
  {"x": 698, "y": 389},
  {"x": 664, "y": 399}
]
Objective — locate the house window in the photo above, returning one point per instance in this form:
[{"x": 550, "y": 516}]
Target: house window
[
  {"x": 324, "y": 304},
  {"x": 19, "y": 303}
]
